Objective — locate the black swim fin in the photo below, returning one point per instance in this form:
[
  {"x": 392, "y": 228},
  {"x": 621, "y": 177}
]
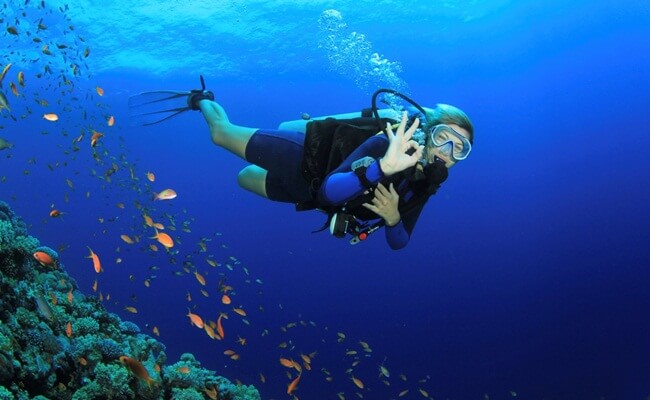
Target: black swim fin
[{"x": 145, "y": 108}]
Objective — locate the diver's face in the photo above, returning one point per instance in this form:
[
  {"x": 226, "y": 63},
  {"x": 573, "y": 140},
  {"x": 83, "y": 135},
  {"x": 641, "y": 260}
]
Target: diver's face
[{"x": 444, "y": 152}]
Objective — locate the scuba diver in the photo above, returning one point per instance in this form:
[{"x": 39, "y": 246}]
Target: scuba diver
[{"x": 366, "y": 170}]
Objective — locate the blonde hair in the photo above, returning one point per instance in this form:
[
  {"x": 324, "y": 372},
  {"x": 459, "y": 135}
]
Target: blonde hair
[{"x": 446, "y": 114}]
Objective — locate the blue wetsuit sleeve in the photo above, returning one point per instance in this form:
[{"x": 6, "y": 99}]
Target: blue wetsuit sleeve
[
  {"x": 342, "y": 184},
  {"x": 399, "y": 235}
]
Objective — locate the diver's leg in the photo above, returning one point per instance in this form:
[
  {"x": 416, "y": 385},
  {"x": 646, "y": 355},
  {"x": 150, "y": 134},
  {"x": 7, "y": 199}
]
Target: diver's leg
[
  {"x": 231, "y": 137},
  {"x": 253, "y": 179}
]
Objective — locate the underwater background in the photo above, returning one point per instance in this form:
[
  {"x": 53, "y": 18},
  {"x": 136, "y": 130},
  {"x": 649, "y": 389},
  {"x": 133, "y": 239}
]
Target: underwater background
[{"x": 526, "y": 275}]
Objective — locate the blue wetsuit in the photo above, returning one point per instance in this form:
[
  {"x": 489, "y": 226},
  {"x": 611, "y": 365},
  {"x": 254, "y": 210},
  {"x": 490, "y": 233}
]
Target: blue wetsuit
[
  {"x": 342, "y": 185},
  {"x": 281, "y": 153}
]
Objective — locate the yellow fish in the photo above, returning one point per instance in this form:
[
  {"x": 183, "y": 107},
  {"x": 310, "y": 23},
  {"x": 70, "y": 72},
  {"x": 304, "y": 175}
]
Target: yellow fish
[
  {"x": 4, "y": 72},
  {"x": 3, "y": 102}
]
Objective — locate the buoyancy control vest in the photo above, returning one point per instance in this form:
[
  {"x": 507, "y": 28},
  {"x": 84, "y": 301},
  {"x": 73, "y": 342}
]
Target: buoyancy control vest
[{"x": 328, "y": 143}]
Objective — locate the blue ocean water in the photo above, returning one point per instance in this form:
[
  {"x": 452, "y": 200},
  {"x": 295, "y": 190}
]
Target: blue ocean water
[{"x": 526, "y": 274}]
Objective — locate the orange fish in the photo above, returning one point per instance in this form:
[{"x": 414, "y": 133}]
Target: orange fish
[
  {"x": 44, "y": 258},
  {"x": 14, "y": 89},
  {"x": 137, "y": 369},
  {"x": 55, "y": 301},
  {"x": 51, "y": 117},
  {"x": 95, "y": 138},
  {"x": 195, "y": 319},
  {"x": 127, "y": 239},
  {"x": 147, "y": 220},
  {"x": 292, "y": 386},
  {"x": 55, "y": 213},
  {"x": 68, "y": 329},
  {"x": 96, "y": 263},
  {"x": 183, "y": 370},
  {"x": 199, "y": 278},
  {"x": 111, "y": 120},
  {"x": 99, "y": 90},
  {"x": 220, "y": 331},
  {"x": 286, "y": 362},
  {"x": 70, "y": 296},
  {"x": 240, "y": 311},
  {"x": 132, "y": 310},
  {"x": 151, "y": 177},
  {"x": 164, "y": 239},
  {"x": 357, "y": 382},
  {"x": 166, "y": 194},
  {"x": 210, "y": 331},
  {"x": 225, "y": 299},
  {"x": 21, "y": 78}
]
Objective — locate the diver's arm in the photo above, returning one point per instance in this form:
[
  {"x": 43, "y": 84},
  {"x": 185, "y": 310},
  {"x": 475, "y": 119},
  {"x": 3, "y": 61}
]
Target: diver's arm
[
  {"x": 398, "y": 236},
  {"x": 341, "y": 187},
  {"x": 343, "y": 184},
  {"x": 300, "y": 125}
]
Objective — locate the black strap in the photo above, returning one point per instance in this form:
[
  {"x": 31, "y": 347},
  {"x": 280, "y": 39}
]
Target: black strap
[{"x": 360, "y": 172}]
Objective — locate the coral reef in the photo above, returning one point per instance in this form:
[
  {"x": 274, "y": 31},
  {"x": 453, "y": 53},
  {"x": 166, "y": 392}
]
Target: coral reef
[{"x": 53, "y": 348}]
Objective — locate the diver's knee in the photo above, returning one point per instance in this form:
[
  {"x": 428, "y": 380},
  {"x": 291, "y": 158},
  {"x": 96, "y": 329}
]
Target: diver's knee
[
  {"x": 242, "y": 178},
  {"x": 253, "y": 179}
]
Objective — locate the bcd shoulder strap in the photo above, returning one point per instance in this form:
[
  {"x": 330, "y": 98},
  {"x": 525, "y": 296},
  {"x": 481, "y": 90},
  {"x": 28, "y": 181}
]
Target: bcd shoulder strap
[{"x": 328, "y": 142}]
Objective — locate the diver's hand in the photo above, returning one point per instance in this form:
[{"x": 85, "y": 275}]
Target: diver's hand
[
  {"x": 385, "y": 204},
  {"x": 396, "y": 160}
]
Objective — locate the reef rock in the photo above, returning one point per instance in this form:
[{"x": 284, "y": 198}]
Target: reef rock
[{"x": 52, "y": 348}]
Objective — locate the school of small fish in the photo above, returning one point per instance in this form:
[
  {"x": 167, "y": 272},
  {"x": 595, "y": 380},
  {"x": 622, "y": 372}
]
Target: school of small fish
[{"x": 44, "y": 50}]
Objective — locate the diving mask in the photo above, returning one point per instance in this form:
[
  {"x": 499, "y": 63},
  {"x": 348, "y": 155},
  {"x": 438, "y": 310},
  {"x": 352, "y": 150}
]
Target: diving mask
[{"x": 452, "y": 142}]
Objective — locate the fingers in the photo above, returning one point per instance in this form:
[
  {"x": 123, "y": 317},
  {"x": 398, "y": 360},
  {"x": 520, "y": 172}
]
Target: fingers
[
  {"x": 380, "y": 192},
  {"x": 371, "y": 208},
  {"x": 409, "y": 134},
  {"x": 385, "y": 195},
  {"x": 393, "y": 192},
  {"x": 389, "y": 132}
]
